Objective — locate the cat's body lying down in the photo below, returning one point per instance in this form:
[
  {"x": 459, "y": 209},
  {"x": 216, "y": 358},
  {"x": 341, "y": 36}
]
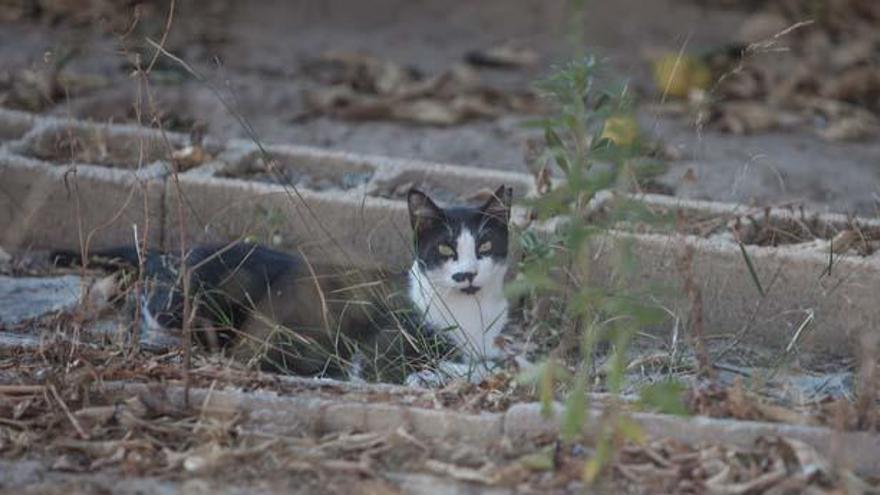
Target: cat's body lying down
[{"x": 263, "y": 306}]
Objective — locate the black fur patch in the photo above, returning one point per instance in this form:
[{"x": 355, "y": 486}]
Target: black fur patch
[{"x": 227, "y": 280}]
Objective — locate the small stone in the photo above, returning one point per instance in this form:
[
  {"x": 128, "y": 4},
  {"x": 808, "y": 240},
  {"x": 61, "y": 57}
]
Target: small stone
[{"x": 29, "y": 297}]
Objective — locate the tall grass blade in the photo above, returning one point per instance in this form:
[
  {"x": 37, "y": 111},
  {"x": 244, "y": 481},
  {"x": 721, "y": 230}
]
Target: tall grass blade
[{"x": 751, "y": 267}]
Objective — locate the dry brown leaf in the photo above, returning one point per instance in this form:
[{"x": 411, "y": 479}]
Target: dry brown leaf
[
  {"x": 211, "y": 456},
  {"x": 74, "y": 462},
  {"x": 78, "y": 84},
  {"x": 746, "y": 117},
  {"x": 459, "y": 472},
  {"x": 455, "y": 80},
  {"x": 205, "y": 458},
  {"x": 377, "y": 487},
  {"x": 754, "y": 485},
  {"x": 654, "y": 360},
  {"x": 21, "y": 407},
  {"x": 783, "y": 62},
  {"x": 426, "y": 111},
  {"x": 99, "y": 449},
  {"x": 746, "y": 84},
  {"x": 362, "y": 87},
  {"x": 32, "y": 90},
  {"x": 844, "y": 240},
  {"x": 853, "y": 128},
  {"x": 328, "y": 97},
  {"x": 503, "y": 56},
  {"x": 739, "y": 403},
  {"x": 361, "y": 71},
  {"x": 852, "y": 54},
  {"x": 781, "y": 414},
  {"x": 809, "y": 461},
  {"x": 15, "y": 10},
  {"x": 92, "y": 417}
]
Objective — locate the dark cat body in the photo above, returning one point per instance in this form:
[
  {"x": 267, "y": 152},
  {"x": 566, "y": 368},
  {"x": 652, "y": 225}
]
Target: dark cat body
[
  {"x": 270, "y": 308},
  {"x": 254, "y": 269}
]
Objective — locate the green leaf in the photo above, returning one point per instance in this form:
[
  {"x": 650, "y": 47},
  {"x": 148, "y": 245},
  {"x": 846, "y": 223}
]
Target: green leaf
[
  {"x": 543, "y": 460},
  {"x": 554, "y": 143},
  {"x": 630, "y": 430},
  {"x": 643, "y": 312},
  {"x": 556, "y": 202},
  {"x": 538, "y": 123},
  {"x": 664, "y": 397},
  {"x": 585, "y": 301},
  {"x": 751, "y": 268},
  {"x": 546, "y": 386},
  {"x": 593, "y": 467},
  {"x": 646, "y": 168},
  {"x": 575, "y": 407}
]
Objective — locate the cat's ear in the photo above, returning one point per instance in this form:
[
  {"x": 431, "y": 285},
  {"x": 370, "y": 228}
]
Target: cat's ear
[
  {"x": 423, "y": 212},
  {"x": 498, "y": 206}
]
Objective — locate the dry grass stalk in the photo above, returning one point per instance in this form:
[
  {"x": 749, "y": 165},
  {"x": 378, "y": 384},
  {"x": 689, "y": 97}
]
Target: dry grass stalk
[{"x": 695, "y": 321}]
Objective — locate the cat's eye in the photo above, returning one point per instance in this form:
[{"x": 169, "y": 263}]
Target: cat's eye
[
  {"x": 445, "y": 250},
  {"x": 485, "y": 247}
]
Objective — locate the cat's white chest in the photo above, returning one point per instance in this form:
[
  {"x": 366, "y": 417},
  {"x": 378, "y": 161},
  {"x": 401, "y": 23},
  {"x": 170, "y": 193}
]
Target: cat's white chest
[{"x": 473, "y": 322}]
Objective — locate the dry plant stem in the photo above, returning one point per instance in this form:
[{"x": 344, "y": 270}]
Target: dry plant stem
[
  {"x": 21, "y": 389},
  {"x": 86, "y": 242},
  {"x": 187, "y": 330},
  {"x": 695, "y": 322},
  {"x": 188, "y": 306},
  {"x": 162, "y": 41},
  {"x": 78, "y": 210},
  {"x": 868, "y": 382},
  {"x": 188, "y": 314},
  {"x": 142, "y": 247},
  {"x": 758, "y": 47},
  {"x": 79, "y": 429},
  {"x": 325, "y": 310},
  {"x": 138, "y": 287}
]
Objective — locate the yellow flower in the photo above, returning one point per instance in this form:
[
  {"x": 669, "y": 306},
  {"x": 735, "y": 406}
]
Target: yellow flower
[
  {"x": 622, "y": 130},
  {"x": 677, "y": 75}
]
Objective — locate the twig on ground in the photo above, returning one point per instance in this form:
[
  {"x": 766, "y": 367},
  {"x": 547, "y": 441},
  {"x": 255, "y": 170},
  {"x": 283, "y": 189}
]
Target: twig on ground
[{"x": 79, "y": 429}]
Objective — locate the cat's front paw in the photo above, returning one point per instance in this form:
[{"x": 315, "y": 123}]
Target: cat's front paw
[{"x": 446, "y": 372}]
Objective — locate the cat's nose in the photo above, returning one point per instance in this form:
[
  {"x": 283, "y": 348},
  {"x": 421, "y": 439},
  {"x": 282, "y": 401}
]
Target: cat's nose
[{"x": 462, "y": 276}]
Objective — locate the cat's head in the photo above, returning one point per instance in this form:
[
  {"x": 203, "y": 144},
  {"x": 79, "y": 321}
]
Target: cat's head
[{"x": 461, "y": 248}]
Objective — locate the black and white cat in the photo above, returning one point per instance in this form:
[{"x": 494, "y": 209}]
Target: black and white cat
[
  {"x": 442, "y": 319},
  {"x": 456, "y": 280}
]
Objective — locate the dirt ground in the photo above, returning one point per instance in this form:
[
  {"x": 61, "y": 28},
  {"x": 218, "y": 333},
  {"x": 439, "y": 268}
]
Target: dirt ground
[{"x": 257, "y": 52}]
